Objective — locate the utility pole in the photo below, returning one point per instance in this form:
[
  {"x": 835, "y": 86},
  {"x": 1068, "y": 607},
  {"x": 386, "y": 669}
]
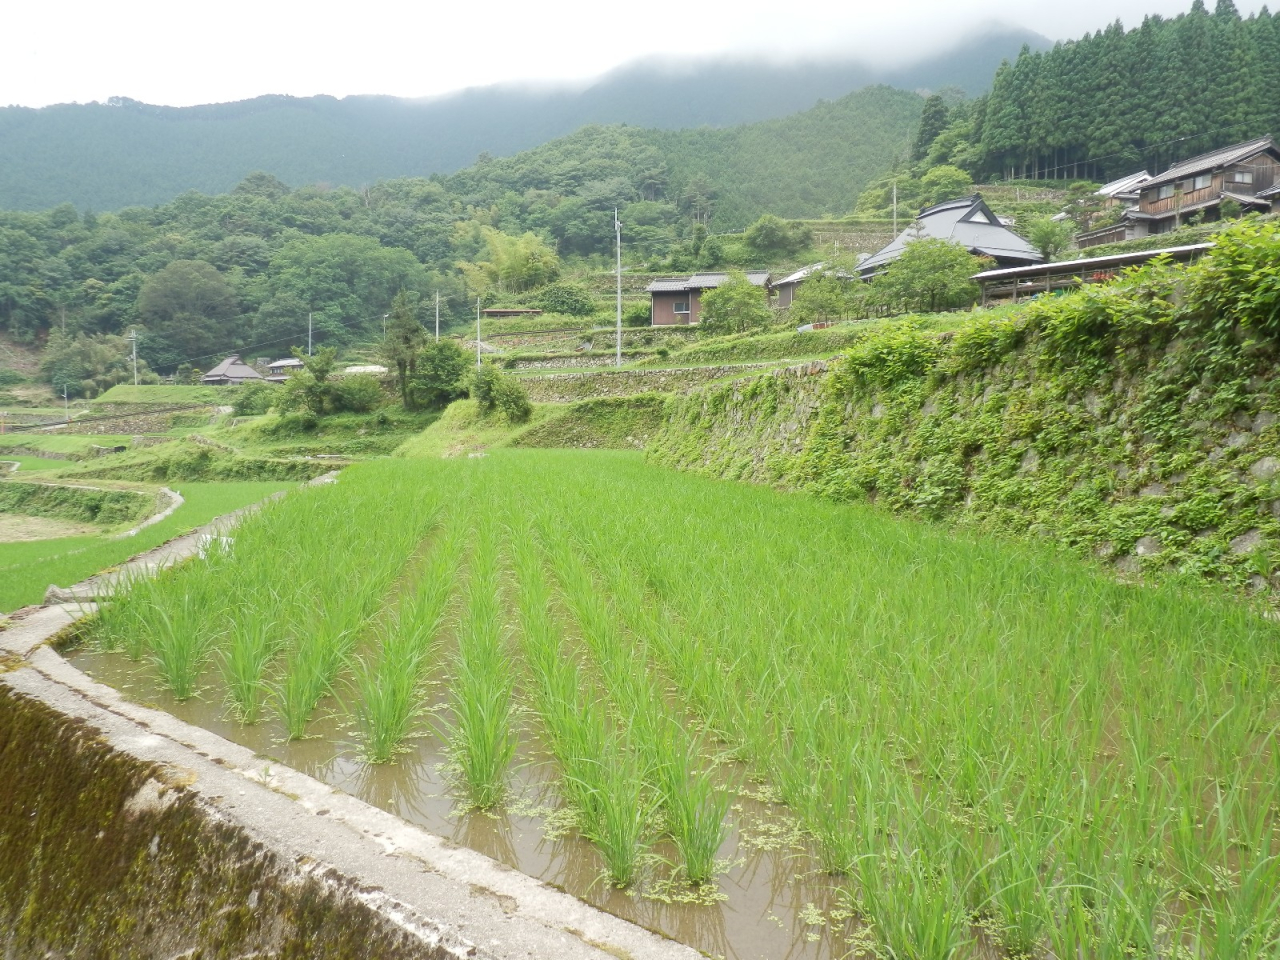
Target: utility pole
[
  {"x": 477, "y": 332},
  {"x": 133, "y": 339},
  {"x": 617, "y": 231},
  {"x": 308, "y": 334},
  {"x": 895, "y": 208},
  {"x": 437, "y": 314},
  {"x": 66, "y": 404}
]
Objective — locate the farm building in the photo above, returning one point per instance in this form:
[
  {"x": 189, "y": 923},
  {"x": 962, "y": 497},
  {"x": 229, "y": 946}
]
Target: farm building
[
  {"x": 674, "y": 301},
  {"x": 967, "y": 221},
  {"x": 231, "y": 371},
  {"x": 1245, "y": 174}
]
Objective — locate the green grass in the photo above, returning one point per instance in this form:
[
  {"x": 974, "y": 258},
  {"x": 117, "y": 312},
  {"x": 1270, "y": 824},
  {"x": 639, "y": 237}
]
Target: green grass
[
  {"x": 62, "y": 443},
  {"x": 28, "y": 464},
  {"x": 979, "y": 739},
  {"x": 27, "y": 569},
  {"x": 164, "y": 393}
]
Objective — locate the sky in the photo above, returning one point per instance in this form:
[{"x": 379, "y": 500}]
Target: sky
[{"x": 159, "y": 51}]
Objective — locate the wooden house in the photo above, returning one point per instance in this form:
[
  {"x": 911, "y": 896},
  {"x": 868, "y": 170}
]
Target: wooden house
[
  {"x": 1247, "y": 174},
  {"x": 678, "y": 302}
]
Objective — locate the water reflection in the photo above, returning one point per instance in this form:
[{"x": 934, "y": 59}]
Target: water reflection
[{"x": 769, "y": 894}]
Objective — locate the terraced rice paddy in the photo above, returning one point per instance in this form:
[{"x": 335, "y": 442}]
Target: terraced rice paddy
[{"x": 766, "y": 725}]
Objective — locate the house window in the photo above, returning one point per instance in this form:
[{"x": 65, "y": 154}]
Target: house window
[
  {"x": 1242, "y": 176},
  {"x": 1165, "y": 192},
  {"x": 682, "y": 306},
  {"x": 1202, "y": 181}
]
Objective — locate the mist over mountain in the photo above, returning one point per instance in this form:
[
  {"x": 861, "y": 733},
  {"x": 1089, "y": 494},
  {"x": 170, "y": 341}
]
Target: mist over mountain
[{"x": 105, "y": 156}]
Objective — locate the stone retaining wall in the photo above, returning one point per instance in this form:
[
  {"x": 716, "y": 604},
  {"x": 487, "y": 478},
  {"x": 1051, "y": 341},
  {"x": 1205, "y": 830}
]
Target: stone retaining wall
[{"x": 567, "y": 387}]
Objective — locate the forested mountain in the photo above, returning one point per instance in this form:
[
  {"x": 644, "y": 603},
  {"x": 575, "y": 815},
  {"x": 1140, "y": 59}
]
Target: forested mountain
[
  {"x": 122, "y": 153},
  {"x": 206, "y": 274},
  {"x": 1116, "y": 101}
]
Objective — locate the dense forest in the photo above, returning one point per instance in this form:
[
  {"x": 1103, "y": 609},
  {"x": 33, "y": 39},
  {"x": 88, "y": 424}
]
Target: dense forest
[
  {"x": 106, "y": 156},
  {"x": 1116, "y": 101},
  {"x": 204, "y": 275}
]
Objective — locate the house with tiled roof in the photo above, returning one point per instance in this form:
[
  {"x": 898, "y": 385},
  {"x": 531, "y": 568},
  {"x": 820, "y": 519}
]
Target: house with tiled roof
[
  {"x": 231, "y": 371},
  {"x": 679, "y": 301},
  {"x": 967, "y": 221},
  {"x": 1246, "y": 174}
]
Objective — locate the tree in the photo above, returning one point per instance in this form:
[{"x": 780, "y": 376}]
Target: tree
[
  {"x": 310, "y": 388},
  {"x": 930, "y": 274},
  {"x": 1050, "y": 236},
  {"x": 86, "y": 366},
  {"x": 933, "y": 119},
  {"x": 440, "y": 373},
  {"x": 830, "y": 293},
  {"x": 945, "y": 183},
  {"x": 737, "y": 305},
  {"x": 187, "y": 308},
  {"x": 515, "y": 264},
  {"x": 403, "y": 339},
  {"x": 568, "y": 297},
  {"x": 773, "y": 236}
]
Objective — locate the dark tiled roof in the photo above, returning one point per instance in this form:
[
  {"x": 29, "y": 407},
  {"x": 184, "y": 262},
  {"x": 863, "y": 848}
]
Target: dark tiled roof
[
  {"x": 1223, "y": 157},
  {"x": 967, "y": 221},
  {"x": 232, "y": 368},
  {"x": 703, "y": 281}
]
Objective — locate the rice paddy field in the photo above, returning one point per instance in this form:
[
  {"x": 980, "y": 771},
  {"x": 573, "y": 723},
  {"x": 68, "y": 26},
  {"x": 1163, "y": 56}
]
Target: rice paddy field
[{"x": 763, "y": 724}]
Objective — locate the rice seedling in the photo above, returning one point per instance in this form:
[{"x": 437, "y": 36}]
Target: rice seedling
[
  {"x": 389, "y": 687},
  {"x": 481, "y": 732},
  {"x": 966, "y": 729}
]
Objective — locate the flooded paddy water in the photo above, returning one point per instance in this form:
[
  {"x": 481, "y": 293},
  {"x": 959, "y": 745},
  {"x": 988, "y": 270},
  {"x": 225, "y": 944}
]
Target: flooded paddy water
[{"x": 771, "y": 899}]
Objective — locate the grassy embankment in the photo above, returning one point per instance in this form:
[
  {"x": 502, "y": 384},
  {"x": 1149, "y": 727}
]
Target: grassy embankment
[{"x": 973, "y": 734}]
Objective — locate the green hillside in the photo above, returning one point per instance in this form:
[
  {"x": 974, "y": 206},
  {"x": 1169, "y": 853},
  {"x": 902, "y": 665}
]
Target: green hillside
[{"x": 249, "y": 270}]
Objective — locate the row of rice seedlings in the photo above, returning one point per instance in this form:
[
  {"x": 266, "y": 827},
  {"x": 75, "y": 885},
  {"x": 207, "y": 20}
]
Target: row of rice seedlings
[
  {"x": 1044, "y": 710},
  {"x": 601, "y": 779},
  {"x": 388, "y": 686},
  {"x": 694, "y": 809},
  {"x": 482, "y": 734}
]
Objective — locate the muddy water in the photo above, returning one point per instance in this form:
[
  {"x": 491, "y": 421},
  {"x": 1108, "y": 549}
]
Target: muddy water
[{"x": 773, "y": 902}]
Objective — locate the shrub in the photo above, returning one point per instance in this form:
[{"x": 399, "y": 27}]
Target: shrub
[
  {"x": 11, "y": 378},
  {"x": 494, "y": 391},
  {"x": 568, "y": 297},
  {"x": 736, "y": 306},
  {"x": 254, "y": 399},
  {"x": 638, "y": 313},
  {"x": 360, "y": 393}
]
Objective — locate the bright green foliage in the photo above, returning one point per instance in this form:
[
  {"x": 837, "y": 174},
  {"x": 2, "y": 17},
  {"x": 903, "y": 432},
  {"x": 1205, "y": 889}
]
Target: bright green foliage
[
  {"x": 945, "y": 183},
  {"x": 481, "y": 729},
  {"x": 498, "y": 392},
  {"x": 736, "y": 306},
  {"x": 1051, "y": 237},
  {"x": 514, "y": 264},
  {"x": 440, "y": 373},
  {"x": 254, "y": 399},
  {"x": 929, "y": 275},
  {"x": 568, "y": 297}
]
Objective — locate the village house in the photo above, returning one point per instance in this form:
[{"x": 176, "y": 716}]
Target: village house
[
  {"x": 967, "y": 221},
  {"x": 784, "y": 290},
  {"x": 230, "y": 371},
  {"x": 1245, "y": 174},
  {"x": 282, "y": 370},
  {"x": 674, "y": 301}
]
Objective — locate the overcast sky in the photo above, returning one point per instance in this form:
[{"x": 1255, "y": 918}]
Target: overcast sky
[{"x": 161, "y": 51}]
